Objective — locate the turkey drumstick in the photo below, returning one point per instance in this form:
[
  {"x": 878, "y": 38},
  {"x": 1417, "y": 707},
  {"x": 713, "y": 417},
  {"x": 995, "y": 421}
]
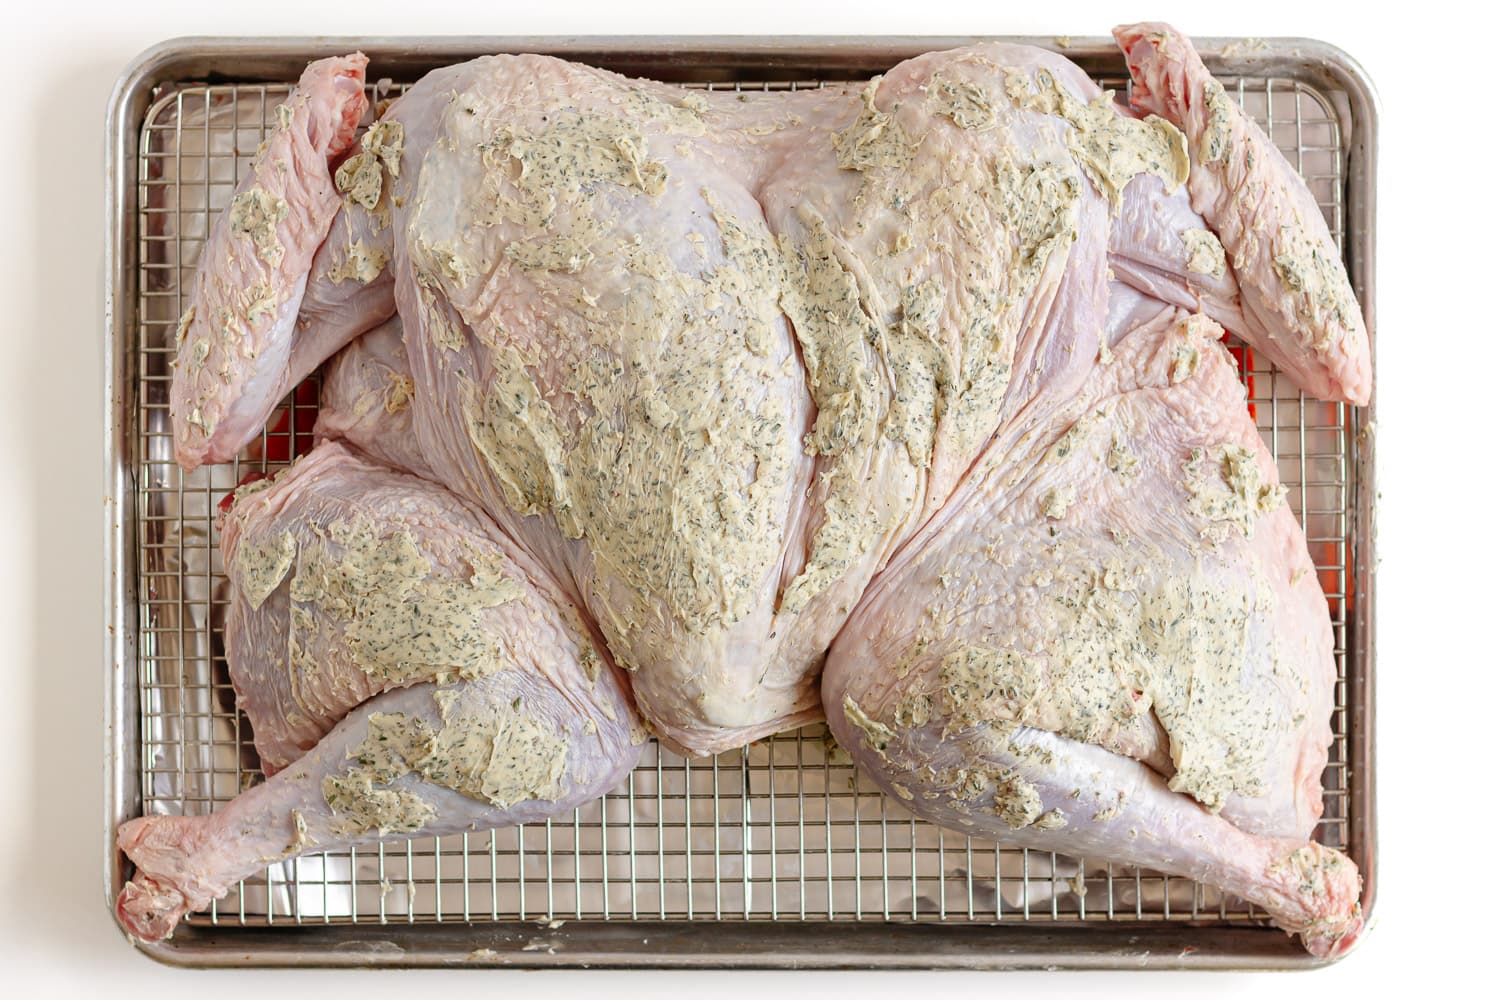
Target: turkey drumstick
[{"x": 350, "y": 579}]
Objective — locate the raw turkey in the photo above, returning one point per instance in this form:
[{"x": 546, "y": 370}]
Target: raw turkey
[{"x": 901, "y": 404}]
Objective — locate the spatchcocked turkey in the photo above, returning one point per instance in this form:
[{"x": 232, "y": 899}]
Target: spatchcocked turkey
[{"x": 710, "y": 415}]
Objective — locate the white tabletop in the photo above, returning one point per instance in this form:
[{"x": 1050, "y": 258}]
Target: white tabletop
[{"x": 1438, "y": 363}]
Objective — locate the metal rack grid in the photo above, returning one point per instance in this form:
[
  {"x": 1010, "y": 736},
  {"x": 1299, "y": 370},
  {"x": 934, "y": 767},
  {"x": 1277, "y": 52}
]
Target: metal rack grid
[{"x": 783, "y": 829}]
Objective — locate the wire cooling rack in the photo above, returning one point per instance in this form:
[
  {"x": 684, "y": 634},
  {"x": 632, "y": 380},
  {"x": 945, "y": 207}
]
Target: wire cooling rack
[{"x": 782, "y": 830}]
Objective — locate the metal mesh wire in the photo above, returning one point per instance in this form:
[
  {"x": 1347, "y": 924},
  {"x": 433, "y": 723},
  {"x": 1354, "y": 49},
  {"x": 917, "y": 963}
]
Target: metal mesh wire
[{"x": 783, "y": 829}]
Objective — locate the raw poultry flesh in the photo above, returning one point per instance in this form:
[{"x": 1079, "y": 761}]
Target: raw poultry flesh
[{"x": 902, "y": 404}]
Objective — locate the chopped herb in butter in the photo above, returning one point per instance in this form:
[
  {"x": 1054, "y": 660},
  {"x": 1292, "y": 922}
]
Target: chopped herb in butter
[
  {"x": 255, "y": 212},
  {"x": 1205, "y": 253}
]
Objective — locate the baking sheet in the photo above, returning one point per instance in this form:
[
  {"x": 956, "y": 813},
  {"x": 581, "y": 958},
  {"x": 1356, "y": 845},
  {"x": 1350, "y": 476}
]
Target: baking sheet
[{"x": 780, "y": 835}]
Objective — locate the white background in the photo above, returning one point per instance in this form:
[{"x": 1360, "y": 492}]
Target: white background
[{"x": 1438, "y": 450}]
